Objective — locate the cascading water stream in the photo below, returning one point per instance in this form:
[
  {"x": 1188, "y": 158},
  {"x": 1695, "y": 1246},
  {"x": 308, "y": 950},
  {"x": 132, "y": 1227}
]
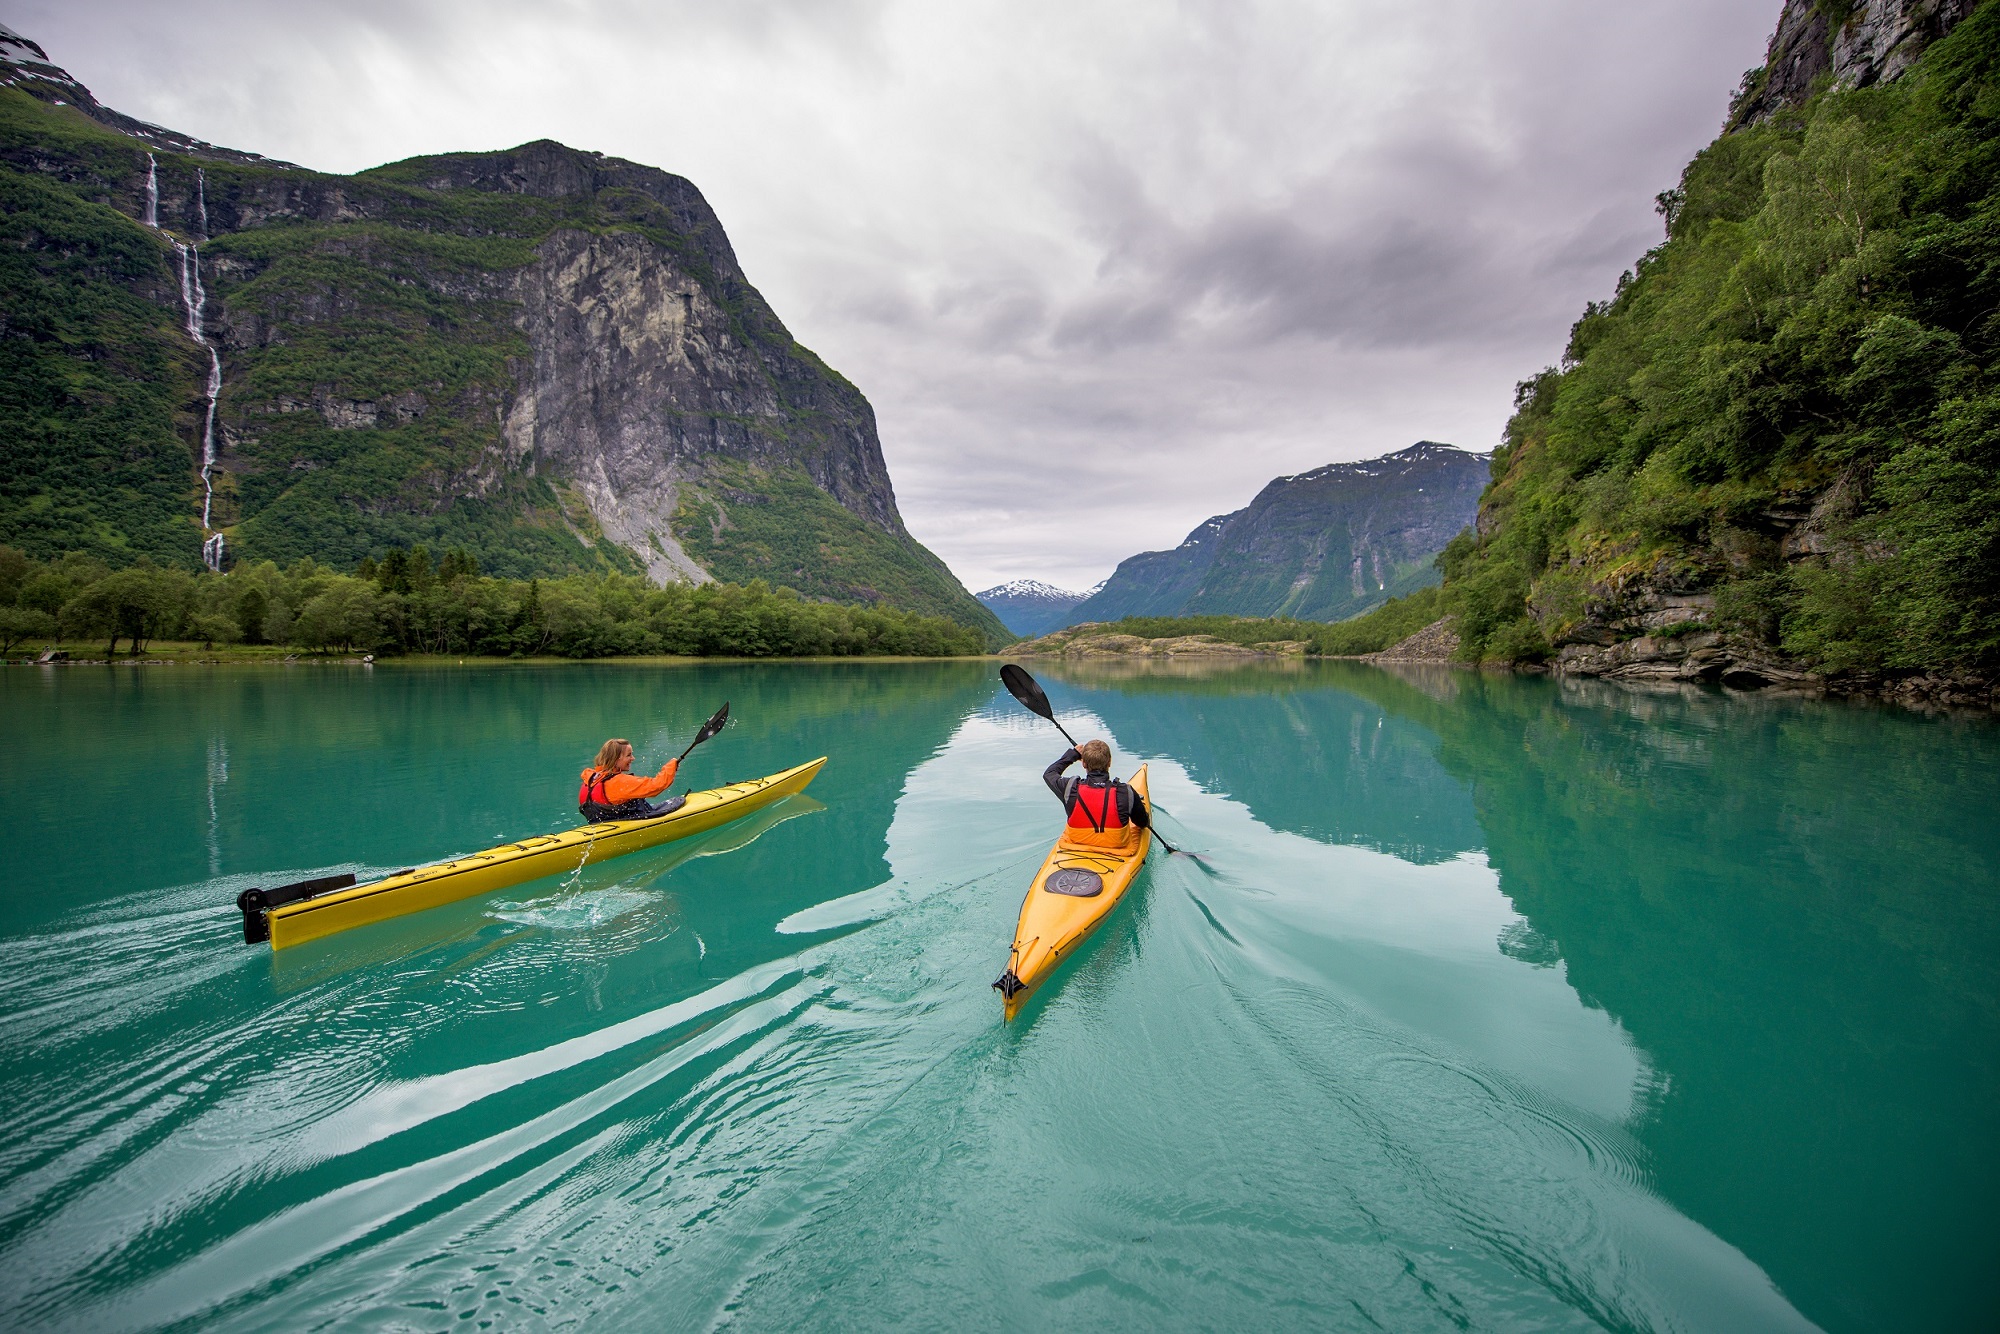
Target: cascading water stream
[
  {"x": 152, "y": 193},
  {"x": 194, "y": 298}
]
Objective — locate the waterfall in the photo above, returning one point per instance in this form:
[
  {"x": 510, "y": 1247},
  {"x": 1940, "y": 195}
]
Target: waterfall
[
  {"x": 201, "y": 201},
  {"x": 195, "y": 298},
  {"x": 152, "y": 193}
]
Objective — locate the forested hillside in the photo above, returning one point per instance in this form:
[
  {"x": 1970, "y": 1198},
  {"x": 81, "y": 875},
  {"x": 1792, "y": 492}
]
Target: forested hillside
[{"x": 1777, "y": 446}]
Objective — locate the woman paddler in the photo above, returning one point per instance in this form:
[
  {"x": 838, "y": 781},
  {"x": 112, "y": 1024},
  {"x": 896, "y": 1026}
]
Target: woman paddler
[
  {"x": 1103, "y": 812},
  {"x": 611, "y": 792}
]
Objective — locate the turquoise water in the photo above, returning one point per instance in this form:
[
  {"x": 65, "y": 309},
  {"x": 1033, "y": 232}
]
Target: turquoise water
[{"x": 1499, "y": 1004}]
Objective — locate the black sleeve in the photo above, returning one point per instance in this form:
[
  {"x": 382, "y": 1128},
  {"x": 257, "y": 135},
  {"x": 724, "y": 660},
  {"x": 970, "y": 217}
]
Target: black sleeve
[
  {"x": 1053, "y": 775},
  {"x": 1134, "y": 809}
]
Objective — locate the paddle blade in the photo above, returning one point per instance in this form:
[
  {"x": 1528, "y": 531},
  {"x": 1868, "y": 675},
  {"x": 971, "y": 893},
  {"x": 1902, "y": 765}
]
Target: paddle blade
[
  {"x": 715, "y": 724},
  {"x": 709, "y": 728},
  {"x": 1022, "y": 687}
]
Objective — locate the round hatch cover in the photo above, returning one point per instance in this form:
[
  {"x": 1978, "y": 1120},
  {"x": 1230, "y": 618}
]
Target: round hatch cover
[{"x": 1076, "y": 884}]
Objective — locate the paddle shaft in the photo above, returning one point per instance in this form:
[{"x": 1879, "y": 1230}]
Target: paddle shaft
[{"x": 1026, "y": 689}]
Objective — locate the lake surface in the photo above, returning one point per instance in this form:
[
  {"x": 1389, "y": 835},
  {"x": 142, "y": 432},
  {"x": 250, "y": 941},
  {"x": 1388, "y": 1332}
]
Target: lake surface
[{"x": 1499, "y": 1004}]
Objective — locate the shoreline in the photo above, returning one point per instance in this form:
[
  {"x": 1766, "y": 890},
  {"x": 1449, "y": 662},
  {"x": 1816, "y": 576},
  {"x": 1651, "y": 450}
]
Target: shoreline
[
  {"x": 192, "y": 655},
  {"x": 1918, "y": 690}
]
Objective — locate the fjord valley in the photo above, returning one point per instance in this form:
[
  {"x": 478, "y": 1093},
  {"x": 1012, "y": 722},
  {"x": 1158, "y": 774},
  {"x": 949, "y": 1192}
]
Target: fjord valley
[
  {"x": 507, "y": 827},
  {"x": 544, "y": 358}
]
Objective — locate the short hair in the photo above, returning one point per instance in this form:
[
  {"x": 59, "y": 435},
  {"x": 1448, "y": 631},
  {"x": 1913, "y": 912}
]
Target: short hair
[
  {"x": 1096, "y": 756},
  {"x": 608, "y": 754}
]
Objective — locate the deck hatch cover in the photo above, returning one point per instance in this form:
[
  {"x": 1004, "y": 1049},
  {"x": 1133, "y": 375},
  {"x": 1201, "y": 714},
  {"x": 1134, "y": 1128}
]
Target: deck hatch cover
[{"x": 1077, "y": 884}]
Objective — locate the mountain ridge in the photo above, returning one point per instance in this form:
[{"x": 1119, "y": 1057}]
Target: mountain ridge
[
  {"x": 1324, "y": 544},
  {"x": 548, "y": 357}
]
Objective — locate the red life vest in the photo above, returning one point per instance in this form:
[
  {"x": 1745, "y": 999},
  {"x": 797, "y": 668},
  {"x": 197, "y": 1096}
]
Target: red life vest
[
  {"x": 1094, "y": 807},
  {"x": 592, "y": 792}
]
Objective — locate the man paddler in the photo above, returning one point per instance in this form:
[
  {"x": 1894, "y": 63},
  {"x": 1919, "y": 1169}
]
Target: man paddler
[
  {"x": 610, "y": 790},
  {"x": 1102, "y": 810}
]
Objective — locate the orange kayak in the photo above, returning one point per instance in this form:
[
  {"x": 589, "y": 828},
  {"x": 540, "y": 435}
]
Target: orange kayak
[{"x": 1078, "y": 886}]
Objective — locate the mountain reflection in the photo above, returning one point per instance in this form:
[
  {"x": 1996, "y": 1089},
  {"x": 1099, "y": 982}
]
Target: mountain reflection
[
  {"x": 1306, "y": 756},
  {"x": 1788, "y": 903}
]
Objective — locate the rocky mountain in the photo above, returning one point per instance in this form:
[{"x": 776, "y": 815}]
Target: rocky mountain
[
  {"x": 1029, "y": 607},
  {"x": 1322, "y": 545},
  {"x": 1771, "y": 455},
  {"x": 1850, "y": 43},
  {"x": 546, "y": 356}
]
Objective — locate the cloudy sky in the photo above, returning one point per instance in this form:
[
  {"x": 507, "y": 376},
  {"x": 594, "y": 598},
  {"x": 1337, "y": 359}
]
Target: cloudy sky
[{"x": 1103, "y": 267}]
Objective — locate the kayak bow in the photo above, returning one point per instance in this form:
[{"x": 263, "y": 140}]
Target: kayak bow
[
  {"x": 310, "y": 909},
  {"x": 1076, "y": 888}
]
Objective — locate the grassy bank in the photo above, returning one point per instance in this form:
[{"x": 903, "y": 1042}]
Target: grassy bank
[
  {"x": 189, "y": 653},
  {"x": 1339, "y": 639}
]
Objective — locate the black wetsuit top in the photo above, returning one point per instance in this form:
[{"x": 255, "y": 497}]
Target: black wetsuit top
[{"x": 1130, "y": 808}]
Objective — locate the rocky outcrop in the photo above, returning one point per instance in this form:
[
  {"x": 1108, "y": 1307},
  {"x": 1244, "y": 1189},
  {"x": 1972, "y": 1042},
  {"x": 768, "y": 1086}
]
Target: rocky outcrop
[
  {"x": 1875, "y": 42},
  {"x": 1435, "y": 643},
  {"x": 1698, "y": 655},
  {"x": 1320, "y": 545}
]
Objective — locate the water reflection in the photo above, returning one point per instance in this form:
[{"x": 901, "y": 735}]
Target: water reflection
[
  {"x": 1330, "y": 764},
  {"x": 1789, "y": 904},
  {"x": 1503, "y": 1003}
]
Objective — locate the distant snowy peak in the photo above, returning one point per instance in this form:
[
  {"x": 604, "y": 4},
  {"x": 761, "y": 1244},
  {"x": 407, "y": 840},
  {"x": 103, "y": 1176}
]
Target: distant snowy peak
[
  {"x": 25, "y": 65},
  {"x": 1031, "y": 607},
  {"x": 1033, "y": 588},
  {"x": 1424, "y": 452}
]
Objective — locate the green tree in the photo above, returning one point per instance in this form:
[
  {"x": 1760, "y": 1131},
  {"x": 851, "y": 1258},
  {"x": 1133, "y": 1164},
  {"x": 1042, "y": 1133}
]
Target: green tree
[
  {"x": 133, "y": 603},
  {"x": 346, "y": 615},
  {"x": 19, "y": 624}
]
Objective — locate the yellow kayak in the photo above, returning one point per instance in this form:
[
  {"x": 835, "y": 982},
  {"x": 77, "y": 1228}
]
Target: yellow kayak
[
  {"x": 298, "y": 913},
  {"x": 1078, "y": 886}
]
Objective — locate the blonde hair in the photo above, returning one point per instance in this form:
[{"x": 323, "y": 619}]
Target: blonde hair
[
  {"x": 610, "y": 753},
  {"x": 1096, "y": 756}
]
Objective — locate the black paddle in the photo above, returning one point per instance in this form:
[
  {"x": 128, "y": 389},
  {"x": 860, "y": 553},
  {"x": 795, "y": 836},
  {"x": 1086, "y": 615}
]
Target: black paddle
[
  {"x": 709, "y": 728},
  {"x": 1024, "y": 688}
]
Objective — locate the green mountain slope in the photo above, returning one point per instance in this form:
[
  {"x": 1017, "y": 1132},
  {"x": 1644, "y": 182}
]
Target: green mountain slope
[
  {"x": 545, "y": 357},
  {"x": 1777, "y": 447}
]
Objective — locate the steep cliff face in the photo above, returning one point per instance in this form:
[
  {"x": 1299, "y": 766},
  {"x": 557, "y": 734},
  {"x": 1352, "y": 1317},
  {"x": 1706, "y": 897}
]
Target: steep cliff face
[
  {"x": 549, "y": 357},
  {"x": 1321, "y": 545},
  {"x": 1852, "y": 44}
]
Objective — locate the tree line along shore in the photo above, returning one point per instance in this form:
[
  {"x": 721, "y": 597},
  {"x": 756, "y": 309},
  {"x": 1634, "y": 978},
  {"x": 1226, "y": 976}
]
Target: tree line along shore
[{"x": 410, "y": 603}]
